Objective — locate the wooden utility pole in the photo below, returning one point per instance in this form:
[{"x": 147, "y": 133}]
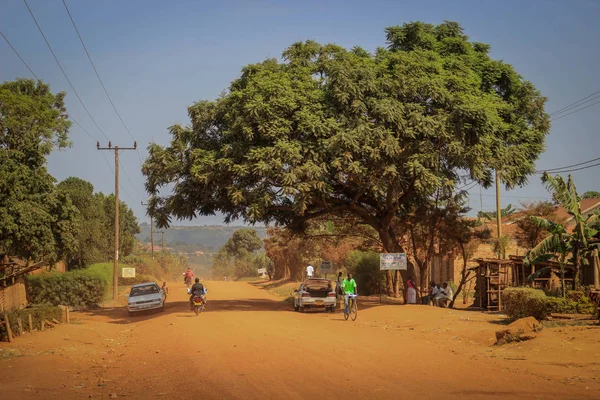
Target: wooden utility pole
[
  {"x": 498, "y": 213},
  {"x": 151, "y": 232},
  {"x": 116, "y": 258}
]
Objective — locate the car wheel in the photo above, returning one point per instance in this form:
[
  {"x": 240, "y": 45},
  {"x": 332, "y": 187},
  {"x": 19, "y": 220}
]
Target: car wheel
[{"x": 302, "y": 309}]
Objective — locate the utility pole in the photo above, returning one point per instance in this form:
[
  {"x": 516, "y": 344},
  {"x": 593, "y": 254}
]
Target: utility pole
[
  {"x": 151, "y": 232},
  {"x": 116, "y": 258},
  {"x": 498, "y": 211},
  {"x": 162, "y": 233}
]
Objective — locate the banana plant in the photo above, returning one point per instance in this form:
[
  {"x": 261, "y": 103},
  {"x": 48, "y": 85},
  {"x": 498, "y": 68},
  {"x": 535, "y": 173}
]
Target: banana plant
[{"x": 562, "y": 243}]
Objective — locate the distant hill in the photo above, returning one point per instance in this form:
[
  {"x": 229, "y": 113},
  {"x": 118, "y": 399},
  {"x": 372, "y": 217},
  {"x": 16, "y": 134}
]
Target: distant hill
[{"x": 189, "y": 239}]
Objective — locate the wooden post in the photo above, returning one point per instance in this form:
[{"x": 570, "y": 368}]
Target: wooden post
[
  {"x": 596, "y": 266},
  {"x": 30, "y": 323},
  {"x": 20, "y": 326},
  {"x": 8, "y": 331}
]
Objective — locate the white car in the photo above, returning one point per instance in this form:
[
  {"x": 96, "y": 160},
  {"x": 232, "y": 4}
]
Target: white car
[
  {"x": 145, "y": 296},
  {"x": 315, "y": 293}
]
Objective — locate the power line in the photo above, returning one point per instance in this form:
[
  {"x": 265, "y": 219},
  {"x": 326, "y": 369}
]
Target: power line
[
  {"x": 575, "y": 104},
  {"x": 132, "y": 185},
  {"x": 98, "y": 75},
  {"x": 574, "y": 169},
  {"x": 579, "y": 109},
  {"x": 568, "y": 166},
  {"x": 18, "y": 55},
  {"x": 63, "y": 71},
  {"x": 68, "y": 115}
]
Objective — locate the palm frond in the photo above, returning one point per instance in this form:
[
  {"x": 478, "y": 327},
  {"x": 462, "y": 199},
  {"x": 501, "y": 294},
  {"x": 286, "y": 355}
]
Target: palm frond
[
  {"x": 561, "y": 192},
  {"x": 550, "y": 245},
  {"x": 538, "y": 273},
  {"x": 543, "y": 223}
]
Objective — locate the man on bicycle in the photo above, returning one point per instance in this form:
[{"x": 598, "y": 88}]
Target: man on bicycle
[{"x": 348, "y": 287}]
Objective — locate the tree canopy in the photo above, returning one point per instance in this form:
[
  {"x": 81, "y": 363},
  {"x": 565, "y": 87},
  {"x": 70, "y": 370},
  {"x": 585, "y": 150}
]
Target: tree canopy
[
  {"x": 333, "y": 130},
  {"x": 591, "y": 194},
  {"x": 37, "y": 222}
]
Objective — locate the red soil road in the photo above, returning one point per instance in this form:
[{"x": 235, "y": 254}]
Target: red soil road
[{"x": 250, "y": 345}]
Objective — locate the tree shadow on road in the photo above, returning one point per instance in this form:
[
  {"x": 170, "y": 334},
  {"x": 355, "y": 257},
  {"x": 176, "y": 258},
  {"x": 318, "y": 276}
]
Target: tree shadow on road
[{"x": 120, "y": 315}]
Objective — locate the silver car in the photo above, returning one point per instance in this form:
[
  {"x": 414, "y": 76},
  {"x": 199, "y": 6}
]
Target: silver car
[
  {"x": 315, "y": 293},
  {"x": 145, "y": 296}
]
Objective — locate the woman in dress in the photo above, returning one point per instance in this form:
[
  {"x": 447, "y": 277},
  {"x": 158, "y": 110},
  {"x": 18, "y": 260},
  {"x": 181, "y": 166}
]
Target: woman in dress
[{"x": 411, "y": 291}]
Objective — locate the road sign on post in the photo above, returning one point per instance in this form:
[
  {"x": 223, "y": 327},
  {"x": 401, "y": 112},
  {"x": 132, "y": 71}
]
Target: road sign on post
[
  {"x": 326, "y": 267},
  {"x": 388, "y": 261},
  {"x": 128, "y": 272}
]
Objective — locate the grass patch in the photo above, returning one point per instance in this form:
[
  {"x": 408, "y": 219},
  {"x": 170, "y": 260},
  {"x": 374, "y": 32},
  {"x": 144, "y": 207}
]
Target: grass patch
[
  {"x": 250, "y": 279},
  {"x": 7, "y": 354},
  {"x": 38, "y": 314}
]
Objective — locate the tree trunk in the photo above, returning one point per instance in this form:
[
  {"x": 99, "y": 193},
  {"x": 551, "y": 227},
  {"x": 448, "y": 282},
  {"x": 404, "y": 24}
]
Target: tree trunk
[
  {"x": 464, "y": 276},
  {"x": 391, "y": 245},
  {"x": 576, "y": 262}
]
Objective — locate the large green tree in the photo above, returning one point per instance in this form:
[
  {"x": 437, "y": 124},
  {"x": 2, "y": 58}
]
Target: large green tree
[
  {"x": 334, "y": 130},
  {"x": 37, "y": 222},
  {"x": 93, "y": 231},
  {"x": 240, "y": 247},
  {"x": 128, "y": 225}
]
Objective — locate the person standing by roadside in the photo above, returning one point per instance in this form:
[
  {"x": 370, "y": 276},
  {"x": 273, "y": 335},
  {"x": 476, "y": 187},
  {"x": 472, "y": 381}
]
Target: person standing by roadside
[
  {"x": 310, "y": 271},
  {"x": 339, "y": 292},
  {"x": 411, "y": 290}
]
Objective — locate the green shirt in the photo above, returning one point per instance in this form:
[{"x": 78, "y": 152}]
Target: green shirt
[{"x": 349, "y": 286}]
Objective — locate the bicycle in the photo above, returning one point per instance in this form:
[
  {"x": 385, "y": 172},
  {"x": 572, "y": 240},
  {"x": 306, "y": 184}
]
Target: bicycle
[{"x": 352, "y": 307}]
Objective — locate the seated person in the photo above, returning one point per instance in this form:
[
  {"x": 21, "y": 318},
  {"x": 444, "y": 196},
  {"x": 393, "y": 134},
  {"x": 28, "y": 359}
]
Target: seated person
[
  {"x": 433, "y": 291},
  {"x": 443, "y": 296}
]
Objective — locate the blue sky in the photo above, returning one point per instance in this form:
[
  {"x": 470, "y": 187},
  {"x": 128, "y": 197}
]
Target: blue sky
[{"x": 158, "y": 57}]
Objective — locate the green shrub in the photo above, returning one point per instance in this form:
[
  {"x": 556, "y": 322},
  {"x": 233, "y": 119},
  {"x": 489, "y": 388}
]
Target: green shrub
[
  {"x": 364, "y": 267},
  {"x": 561, "y": 305},
  {"x": 138, "y": 279},
  {"x": 525, "y": 302},
  {"x": 83, "y": 287},
  {"x": 38, "y": 314}
]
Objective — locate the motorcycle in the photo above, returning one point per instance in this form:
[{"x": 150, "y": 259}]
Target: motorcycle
[
  {"x": 198, "y": 303},
  {"x": 188, "y": 281}
]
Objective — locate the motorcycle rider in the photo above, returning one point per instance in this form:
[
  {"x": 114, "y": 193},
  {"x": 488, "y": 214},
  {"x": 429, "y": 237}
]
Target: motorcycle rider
[
  {"x": 197, "y": 290},
  {"x": 188, "y": 274}
]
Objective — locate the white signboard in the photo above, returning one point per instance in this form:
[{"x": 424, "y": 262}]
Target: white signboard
[
  {"x": 392, "y": 261},
  {"x": 326, "y": 267},
  {"x": 128, "y": 272},
  {"x": 262, "y": 272}
]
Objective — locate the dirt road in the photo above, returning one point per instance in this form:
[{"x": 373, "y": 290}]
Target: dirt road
[{"x": 250, "y": 345}]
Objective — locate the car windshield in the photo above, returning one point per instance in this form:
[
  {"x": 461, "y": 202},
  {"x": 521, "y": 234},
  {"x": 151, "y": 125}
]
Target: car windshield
[{"x": 142, "y": 290}]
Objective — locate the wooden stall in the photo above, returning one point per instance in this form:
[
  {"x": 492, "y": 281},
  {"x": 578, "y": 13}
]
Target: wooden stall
[{"x": 493, "y": 276}]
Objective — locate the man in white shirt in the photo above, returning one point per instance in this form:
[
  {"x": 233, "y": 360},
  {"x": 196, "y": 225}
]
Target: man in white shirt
[
  {"x": 310, "y": 271},
  {"x": 443, "y": 296}
]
